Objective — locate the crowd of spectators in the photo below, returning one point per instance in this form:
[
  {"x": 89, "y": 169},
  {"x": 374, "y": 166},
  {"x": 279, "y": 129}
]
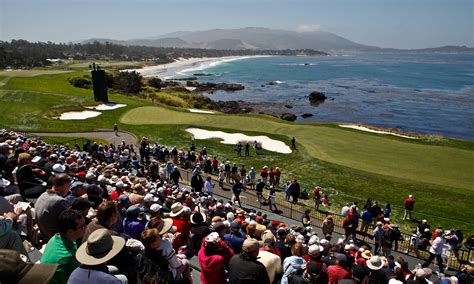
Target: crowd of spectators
[{"x": 114, "y": 215}]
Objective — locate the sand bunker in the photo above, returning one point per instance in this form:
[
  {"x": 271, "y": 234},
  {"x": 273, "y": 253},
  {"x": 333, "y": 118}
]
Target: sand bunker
[
  {"x": 79, "y": 115},
  {"x": 106, "y": 106},
  {"x": 363, "y": 128},
  {"x": 233, "y": 138},
  {"x": 200, "y": 111}
]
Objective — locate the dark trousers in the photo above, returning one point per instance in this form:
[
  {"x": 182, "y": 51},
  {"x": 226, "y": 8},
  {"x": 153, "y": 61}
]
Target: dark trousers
[{"x": 438, "y": 259}]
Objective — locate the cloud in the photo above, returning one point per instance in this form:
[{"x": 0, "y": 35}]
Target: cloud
[{"x": 308, "y": 28}]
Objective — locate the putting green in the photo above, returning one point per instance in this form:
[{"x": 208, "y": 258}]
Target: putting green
[{"x": 368, "y": 152}]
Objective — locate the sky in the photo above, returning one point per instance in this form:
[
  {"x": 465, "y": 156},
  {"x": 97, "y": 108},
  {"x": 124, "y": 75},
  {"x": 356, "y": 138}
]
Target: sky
[{"x": 383, "y": 23}]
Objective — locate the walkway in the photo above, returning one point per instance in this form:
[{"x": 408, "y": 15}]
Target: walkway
[{"x": 107, "y": 135}]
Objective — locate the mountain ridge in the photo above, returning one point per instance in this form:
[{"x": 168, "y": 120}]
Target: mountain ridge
[{"x": 258, "y": 38}]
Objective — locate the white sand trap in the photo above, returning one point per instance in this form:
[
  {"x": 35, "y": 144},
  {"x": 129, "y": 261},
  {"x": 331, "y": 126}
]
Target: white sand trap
[
  {"x": 363, "y": 128},
  {"x": 234, "y": 138},
  {"x": 79, "y": 115},
  {"x": 106, "y": 106},
  {"x": 200, "y": 111}
]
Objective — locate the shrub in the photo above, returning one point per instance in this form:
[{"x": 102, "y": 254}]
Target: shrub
[{"x": 80, "y": 82}]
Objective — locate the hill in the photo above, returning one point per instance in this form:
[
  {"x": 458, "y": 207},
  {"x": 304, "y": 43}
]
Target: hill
[{"x": 255, "y": 38}]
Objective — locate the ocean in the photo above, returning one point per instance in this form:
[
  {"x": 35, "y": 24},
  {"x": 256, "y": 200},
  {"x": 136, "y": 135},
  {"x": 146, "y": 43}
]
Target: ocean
[{"x": 421, "y": 93}]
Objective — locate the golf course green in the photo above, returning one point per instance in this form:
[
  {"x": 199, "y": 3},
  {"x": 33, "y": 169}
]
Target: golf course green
[{"x": 353, "y": 164}]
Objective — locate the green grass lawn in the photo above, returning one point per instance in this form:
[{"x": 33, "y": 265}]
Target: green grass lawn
[
  {"x": 30, "y": 73},
  {"x": 372, "y": 153},
  {"x": 354, "y": 164}
]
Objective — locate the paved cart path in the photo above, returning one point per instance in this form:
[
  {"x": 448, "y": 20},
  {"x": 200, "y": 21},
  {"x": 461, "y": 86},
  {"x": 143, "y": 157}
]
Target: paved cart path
[{"x": 107, "y": 135}]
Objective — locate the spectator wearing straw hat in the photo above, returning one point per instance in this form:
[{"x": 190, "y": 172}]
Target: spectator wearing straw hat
[
  {"x": 181, "y": 222},
  {"x": 94, "y": 254},
  {"x": 376, "y": 274},
  {"x": 199, "y": 229}
]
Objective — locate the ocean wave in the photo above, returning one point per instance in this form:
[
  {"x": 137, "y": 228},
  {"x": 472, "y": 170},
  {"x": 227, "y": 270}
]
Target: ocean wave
[
  {"x": 213, "y": 63},
  {"x": 298, "y": 64}
]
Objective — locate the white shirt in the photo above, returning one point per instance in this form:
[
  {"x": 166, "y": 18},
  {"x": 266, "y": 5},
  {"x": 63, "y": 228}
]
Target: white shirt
[
  {"x": 437, "y": 246},
  {"x": 209, "y": 186}
]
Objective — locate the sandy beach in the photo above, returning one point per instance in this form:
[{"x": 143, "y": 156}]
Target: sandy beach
[{"x": 179, "y": 68}]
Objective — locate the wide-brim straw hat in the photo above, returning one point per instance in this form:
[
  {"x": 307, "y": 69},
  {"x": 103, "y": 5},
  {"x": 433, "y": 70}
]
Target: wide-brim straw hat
[
  {"x": 164, "y": 226},
  {"x": 99, "y": 248},
  {"x": 176, "y": 209},
  {"x": 375, "y": 262}
]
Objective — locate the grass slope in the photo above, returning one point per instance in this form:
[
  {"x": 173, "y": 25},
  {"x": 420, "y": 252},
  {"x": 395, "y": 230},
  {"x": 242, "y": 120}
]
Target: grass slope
[{"x": 355, "y": 164}]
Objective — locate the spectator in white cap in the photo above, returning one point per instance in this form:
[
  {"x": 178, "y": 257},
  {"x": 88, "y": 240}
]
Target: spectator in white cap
[
  {"x": 409, "y": 204},
  {"x": 214, "y": 256},
  {"x": 377, "y": 234}
]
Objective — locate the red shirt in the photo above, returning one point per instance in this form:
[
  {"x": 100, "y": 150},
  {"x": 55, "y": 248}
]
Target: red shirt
[
  {"x": 409, "y": 203},
  {"x": 336, "y": 273},
  {"x": 184, "y": 228}
]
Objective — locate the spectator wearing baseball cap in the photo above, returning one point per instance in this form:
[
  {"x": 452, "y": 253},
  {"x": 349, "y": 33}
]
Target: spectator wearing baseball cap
[
  {"x": 214, "y": 257},
  {"x": 135, "y": 221},
  {"x": 269, "y": 259},
  {"x": 78, "y": 189},
  {"x": 339, "y": 271},
  {"x": 245, "y": 268}
]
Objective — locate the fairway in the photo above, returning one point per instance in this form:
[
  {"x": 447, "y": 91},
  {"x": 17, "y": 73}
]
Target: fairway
[
  {"x": 30, "y": 73},
  {"x": 386, "y": 156}
]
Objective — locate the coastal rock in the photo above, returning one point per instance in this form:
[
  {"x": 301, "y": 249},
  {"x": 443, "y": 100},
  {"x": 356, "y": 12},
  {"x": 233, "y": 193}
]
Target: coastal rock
[
  {"x": 289, "y": 106},
  {"x": 306, "y": 115},
  {"x": 288, "y": 116},
  {"x": 202, "y": 74},
  {"x": 316, "y": 98},
  {"x": 232, "y": 107},
  {"x": 210, "y": 87},
  {"x": 186, "y": 79}
]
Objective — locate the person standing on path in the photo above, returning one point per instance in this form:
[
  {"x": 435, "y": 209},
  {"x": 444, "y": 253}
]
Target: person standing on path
[
  {"x": 409, "y": 204},
  {"x": 237, "y": 189},
  {"x": 116, "y": 129},
  {"x": 247, "y": 149}
]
